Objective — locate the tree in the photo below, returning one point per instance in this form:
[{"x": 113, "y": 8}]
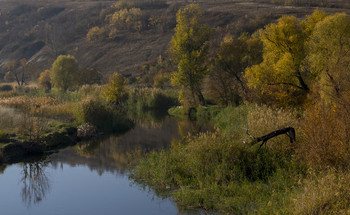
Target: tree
[
  {"x": 329, "y": 48},
  {"x": 90, "y": 76},
  {"x": 18, "y": 72},
  {"x": 115, "y": 92},
  {"x": 45, "y": 80},
  {"x": 281, "y": 75},
  {"x": 124, "y": 19},
  {"x": 64, "y": 72},
  {"x": 11, "y": 74},
  {"x": 234, "y": 56},
  {"x": 96, "y": 34},
  {"x": 189, "y": 50},
  {"x": 284, "y": 75}
]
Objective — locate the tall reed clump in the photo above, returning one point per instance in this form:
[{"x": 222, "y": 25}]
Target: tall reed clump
[{"x": 326, "y": 193}]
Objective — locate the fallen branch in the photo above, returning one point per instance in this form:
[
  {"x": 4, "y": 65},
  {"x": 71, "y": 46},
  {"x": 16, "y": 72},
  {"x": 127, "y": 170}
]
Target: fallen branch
[{"x": 290, "y": 131}]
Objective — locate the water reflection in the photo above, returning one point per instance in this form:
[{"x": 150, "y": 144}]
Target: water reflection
[
  {"x": 109, "y": 156},
  {"x": 35, "y": 182},
  {"x": 117, "y": 153}
]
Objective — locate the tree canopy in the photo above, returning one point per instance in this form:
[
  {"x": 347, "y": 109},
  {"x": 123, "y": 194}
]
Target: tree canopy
[
  {"x": 189, "y": 50},
  {"x": 115, "y": 92},
  {"x": 284, "y": 75},
  {"x": 329, "y": 48},
  {"x": 64, "y": 72}
]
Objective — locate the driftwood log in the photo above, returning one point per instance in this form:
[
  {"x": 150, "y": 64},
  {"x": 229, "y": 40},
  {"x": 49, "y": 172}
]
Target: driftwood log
[{"x": 289, "y": 131}]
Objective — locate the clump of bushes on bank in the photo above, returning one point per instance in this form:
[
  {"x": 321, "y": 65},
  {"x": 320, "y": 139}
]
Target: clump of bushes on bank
[
  {"x": 103, "y": 116},
  {"x": 142, "y": 99},
  {"x": 220, "y": 171}
]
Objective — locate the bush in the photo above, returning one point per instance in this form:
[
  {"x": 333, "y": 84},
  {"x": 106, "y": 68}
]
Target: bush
[
  {"x": 96, "y": 34},
  {"x": 214, "y": 173},
  {"x": 5, "y": 88},
  {"x": 45, "y": 80},
  {"x": 102, "y": 116},
  {"x": 150, "y": 98},
  {"x": 2, "y": 134},
  {"x": 325, "y": 137}
]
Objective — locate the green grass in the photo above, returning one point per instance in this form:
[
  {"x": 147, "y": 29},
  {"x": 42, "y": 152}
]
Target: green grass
[
  {"x": 215, "y": 173},
  {"x": 219, "y": 172}
]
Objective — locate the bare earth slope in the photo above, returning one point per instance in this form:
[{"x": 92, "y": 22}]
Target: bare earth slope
[{"x": 41, "y": 30}]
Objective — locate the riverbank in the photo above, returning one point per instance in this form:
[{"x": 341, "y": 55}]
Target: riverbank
[
  {"x": 34, "y": 121},
  {"x": 14, "y": 149},
  {"x": 222, "y": 172}
]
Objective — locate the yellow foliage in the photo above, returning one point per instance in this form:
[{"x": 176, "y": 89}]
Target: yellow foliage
[
  {"x": 96, "y": 34},
  {"x": 44, "y": 80},
  {"x": 114, "y": 91}
]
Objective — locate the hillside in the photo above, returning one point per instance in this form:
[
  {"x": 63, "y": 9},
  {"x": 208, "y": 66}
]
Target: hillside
[{"x": 41, "y": 30}]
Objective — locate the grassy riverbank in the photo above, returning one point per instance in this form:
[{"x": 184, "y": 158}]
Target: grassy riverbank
[
  {"x": 222, "y": 172},
  {"x": 34, "y": 121}
]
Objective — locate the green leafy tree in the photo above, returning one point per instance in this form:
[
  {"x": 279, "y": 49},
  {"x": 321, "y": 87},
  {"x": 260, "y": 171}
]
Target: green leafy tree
[
  {"x": 64, "y": 72},
  {"x": 115, "y": 91},
  {"x": 189, "y": 50}
]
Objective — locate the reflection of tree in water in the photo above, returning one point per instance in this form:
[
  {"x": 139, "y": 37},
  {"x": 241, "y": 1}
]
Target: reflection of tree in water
[
  {"x": 35, "y": 182},
  {"x": 119, "y": 153}
]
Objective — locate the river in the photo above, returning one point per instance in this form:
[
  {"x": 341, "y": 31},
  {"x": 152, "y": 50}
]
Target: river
[{"x": 92, "y": 177}]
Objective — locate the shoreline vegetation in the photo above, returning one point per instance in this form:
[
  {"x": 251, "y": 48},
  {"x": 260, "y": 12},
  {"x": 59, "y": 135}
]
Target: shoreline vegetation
[{"x": 291, "y": 73}]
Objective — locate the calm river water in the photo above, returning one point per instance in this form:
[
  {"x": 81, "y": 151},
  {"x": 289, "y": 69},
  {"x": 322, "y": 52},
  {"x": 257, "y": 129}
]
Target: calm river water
[{"x": 91, "y": 177}]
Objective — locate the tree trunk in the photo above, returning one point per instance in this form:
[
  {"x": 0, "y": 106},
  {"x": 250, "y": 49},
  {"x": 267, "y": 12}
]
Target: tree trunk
[
  {"x": 200, "y": 97},
  {"x": 290, "y": 131}
]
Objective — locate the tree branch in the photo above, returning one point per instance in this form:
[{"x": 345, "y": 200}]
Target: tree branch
[{"x": 290, "y": 131}]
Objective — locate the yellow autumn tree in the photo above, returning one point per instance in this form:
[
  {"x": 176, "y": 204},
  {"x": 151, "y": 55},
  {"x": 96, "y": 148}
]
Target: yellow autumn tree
[
  {"x": 329, "y": 48},
  {"x": 115, "y": 91},
  {"x": 45, "y": 80},
  {"x": 189, "y": 50}
]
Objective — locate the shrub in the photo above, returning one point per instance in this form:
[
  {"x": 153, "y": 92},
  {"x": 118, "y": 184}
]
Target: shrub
[
  {"x": 214, "y": 173},
  {"x": 150, "y": 98},
  {"x": 326, "y": 137},
  {"x": 102, "y": 116},
  {"x": 5, "y": 88},
  {"x": 96, "y": 34},
  {"x": 45, "y": 80},
  {"x": 2, "y": 134}
]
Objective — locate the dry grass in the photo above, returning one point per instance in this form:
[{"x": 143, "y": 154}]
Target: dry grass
[
  {"x": 28, "y": 103},
  {"x": 9, "y": 118},
  {"x": 325, "y": 194},
  {"x": 40, "y": 106}
]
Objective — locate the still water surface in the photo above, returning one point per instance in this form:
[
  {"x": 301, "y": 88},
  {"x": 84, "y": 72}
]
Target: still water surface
[{"x": 91, "y": 177}]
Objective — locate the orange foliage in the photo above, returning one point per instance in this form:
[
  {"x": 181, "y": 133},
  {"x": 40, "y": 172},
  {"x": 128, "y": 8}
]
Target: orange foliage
[{"x": 326, "y": 137}]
